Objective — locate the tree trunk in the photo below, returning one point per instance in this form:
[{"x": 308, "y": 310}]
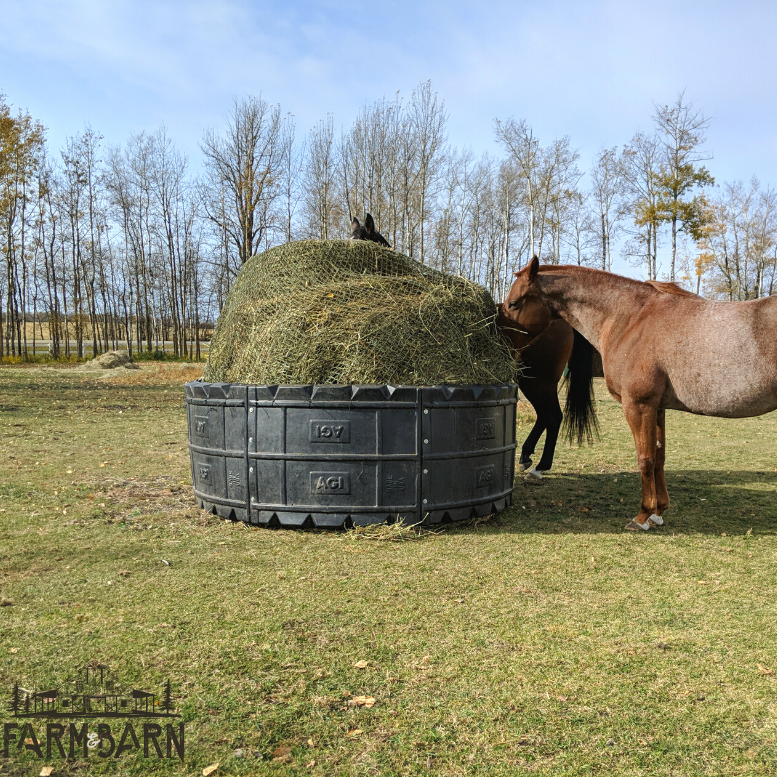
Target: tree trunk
[{"x": 674, "y": 243}]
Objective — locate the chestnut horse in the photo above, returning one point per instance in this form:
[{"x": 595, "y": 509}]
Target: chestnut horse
[
  {"x": 662, "y": 348},
  {"x": 543, "y": 357}
]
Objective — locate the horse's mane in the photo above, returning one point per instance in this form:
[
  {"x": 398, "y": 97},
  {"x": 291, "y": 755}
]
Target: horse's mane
[{"x": 668, "y": 287}]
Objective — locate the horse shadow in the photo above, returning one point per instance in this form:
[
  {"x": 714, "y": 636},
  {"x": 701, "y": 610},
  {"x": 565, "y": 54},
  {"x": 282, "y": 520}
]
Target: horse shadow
[{"x": 705, "y": 501}]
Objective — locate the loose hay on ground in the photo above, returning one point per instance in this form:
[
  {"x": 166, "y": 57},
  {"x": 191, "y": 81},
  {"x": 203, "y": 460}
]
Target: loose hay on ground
[
  {"x": 110, "y": 360},
  {"x": 393, "y": 532},
  {"x": 345, "y": 311}
]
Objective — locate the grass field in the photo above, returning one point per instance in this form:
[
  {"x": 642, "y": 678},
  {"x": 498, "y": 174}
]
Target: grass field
[{"x": 544, "y": 641}]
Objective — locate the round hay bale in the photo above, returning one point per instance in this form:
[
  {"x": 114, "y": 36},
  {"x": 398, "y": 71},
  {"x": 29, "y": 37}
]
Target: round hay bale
[{"x": 351, "y": 311}]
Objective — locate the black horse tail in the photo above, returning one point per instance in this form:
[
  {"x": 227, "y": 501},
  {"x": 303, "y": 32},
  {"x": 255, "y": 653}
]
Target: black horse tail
[{"x": 580, "y": 422}]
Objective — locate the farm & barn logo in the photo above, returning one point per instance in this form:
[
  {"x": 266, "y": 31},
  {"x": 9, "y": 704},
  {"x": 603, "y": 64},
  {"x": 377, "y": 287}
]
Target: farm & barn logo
[{"x": 93, "y": 694}]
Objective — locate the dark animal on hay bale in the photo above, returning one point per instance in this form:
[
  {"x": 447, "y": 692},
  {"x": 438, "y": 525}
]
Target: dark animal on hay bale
[
  {"x": 367, "y": 232},
  {"x": 662, "y": 348},
  {"x": 543, "y": 357}
]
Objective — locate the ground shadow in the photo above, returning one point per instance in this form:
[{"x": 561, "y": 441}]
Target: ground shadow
[{"x": 702, "y": 501}]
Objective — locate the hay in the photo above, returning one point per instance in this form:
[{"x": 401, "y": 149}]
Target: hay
[
  {"x": 391, "y": 532},
  {"x": 350, "y": 311},
  {"x": 111, "y": 360}
]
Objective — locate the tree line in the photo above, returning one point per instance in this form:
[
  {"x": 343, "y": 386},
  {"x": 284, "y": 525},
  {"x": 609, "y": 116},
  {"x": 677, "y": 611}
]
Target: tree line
[{"x": 109, "y": 244}]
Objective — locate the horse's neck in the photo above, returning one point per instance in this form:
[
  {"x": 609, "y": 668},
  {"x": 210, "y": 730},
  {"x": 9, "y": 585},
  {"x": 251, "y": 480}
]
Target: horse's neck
[{"x": 588, "y": 301}]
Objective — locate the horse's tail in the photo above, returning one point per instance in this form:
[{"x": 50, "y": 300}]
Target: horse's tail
[{"x": 580, "y": 422}]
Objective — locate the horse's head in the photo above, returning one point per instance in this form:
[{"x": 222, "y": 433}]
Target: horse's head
[
  {"x": 525, "y": 306},
  {"x": 367, "y": 231}
]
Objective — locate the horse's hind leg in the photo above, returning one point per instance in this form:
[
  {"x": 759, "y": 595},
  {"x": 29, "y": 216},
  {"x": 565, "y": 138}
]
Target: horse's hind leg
[{"x": 662, "y": 495}]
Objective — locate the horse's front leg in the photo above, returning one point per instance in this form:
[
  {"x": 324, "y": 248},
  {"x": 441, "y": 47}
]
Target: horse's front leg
[
  {"x": 533, "y": 392},
  {"x": 553, "y": 418},
  {"x": 543, "y": 395},
  {"x": 527, "y": 450},
  {"x": 643, "y": 421}
]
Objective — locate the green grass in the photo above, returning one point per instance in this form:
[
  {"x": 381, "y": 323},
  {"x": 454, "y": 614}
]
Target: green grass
[
  {"x": 545, "y": 641},
  {"x": 39, "y": 358}
]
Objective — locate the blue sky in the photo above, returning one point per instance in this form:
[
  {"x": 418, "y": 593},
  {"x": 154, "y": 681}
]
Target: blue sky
[{"x": 590, "y": 70}]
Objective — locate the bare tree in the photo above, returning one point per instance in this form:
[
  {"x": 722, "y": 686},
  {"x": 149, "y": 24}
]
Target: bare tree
[
  {"x": 507, "y": 198},
  {"x": 581, "y": 234},
  {"x": 549, "y": 176},
  {"x": 81, "y": 191},
  {"x": 427, "y": 118},
  {"x": 640, "y": 166},
  {"x": 291, "y": 169},
  {"x": 518, "y": 139},
  {"x": 606, "y": 198},
  {"x": 560, "y": 177},
  {"x": 370, "y": 167},
  {"x": 128, "y": 183},
  {"x": 243, "y": 167},
  {"x": 742, "y": 240},
  {"x": 320, "y": 182},
  {"x": 459, "y": 179}
]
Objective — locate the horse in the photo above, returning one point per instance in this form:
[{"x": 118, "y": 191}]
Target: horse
[
  {"x": 367, "y": 232},
  {"x": 543, "y": 357},
  {"x": 663, "y": 348}
]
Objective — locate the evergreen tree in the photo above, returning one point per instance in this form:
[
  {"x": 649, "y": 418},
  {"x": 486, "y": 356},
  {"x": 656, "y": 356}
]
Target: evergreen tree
[
  {"x": 167, "y": 700},
  {"x": 14, "y": 706}
]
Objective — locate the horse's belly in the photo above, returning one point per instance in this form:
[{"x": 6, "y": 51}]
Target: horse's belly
[
  {"x": 723, "y": 364},
  {"x": 727, "y": 395}
]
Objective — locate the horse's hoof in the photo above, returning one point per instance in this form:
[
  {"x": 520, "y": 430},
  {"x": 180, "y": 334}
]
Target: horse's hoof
[
  {"x": 656, "y": 520},
  {"x": 524, "y": 465},
  {"x": 634, "y": 526},
  {"x": 533, "y": 476}
]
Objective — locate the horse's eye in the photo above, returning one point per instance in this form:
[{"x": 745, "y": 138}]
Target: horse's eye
[{"x": 513, "y": 304}]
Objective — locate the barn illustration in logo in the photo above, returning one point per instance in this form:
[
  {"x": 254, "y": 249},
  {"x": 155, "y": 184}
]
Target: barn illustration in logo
[{"x": 92, "y": 694}]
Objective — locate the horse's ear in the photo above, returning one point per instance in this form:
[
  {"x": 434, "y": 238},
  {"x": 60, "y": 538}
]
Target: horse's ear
[
  {"x": 534, "y": 267},
  {"x": 369, "y": 224},
  {"x": 355, "y": 224}
]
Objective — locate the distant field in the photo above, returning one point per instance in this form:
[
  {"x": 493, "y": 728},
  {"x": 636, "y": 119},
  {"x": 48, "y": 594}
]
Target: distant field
[
  {"x": 544, "y": 641},
  {"x": 41, "y": 346}
]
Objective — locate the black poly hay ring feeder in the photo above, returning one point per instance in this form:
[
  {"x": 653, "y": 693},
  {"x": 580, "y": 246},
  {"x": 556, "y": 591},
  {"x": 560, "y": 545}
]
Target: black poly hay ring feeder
[{"x": 334, "y": 456}]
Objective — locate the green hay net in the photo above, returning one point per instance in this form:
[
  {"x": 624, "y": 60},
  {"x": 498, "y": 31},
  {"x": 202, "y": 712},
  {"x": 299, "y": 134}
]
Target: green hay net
[{"x": 350, "y": 311}]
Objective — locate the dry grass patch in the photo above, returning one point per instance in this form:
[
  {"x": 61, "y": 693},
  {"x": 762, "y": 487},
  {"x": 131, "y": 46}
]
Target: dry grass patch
[{"x": 151, "y": 374}]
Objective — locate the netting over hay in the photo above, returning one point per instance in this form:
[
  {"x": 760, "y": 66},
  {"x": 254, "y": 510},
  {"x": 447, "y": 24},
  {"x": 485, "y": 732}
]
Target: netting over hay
[{"x": 350, "y": 311}]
